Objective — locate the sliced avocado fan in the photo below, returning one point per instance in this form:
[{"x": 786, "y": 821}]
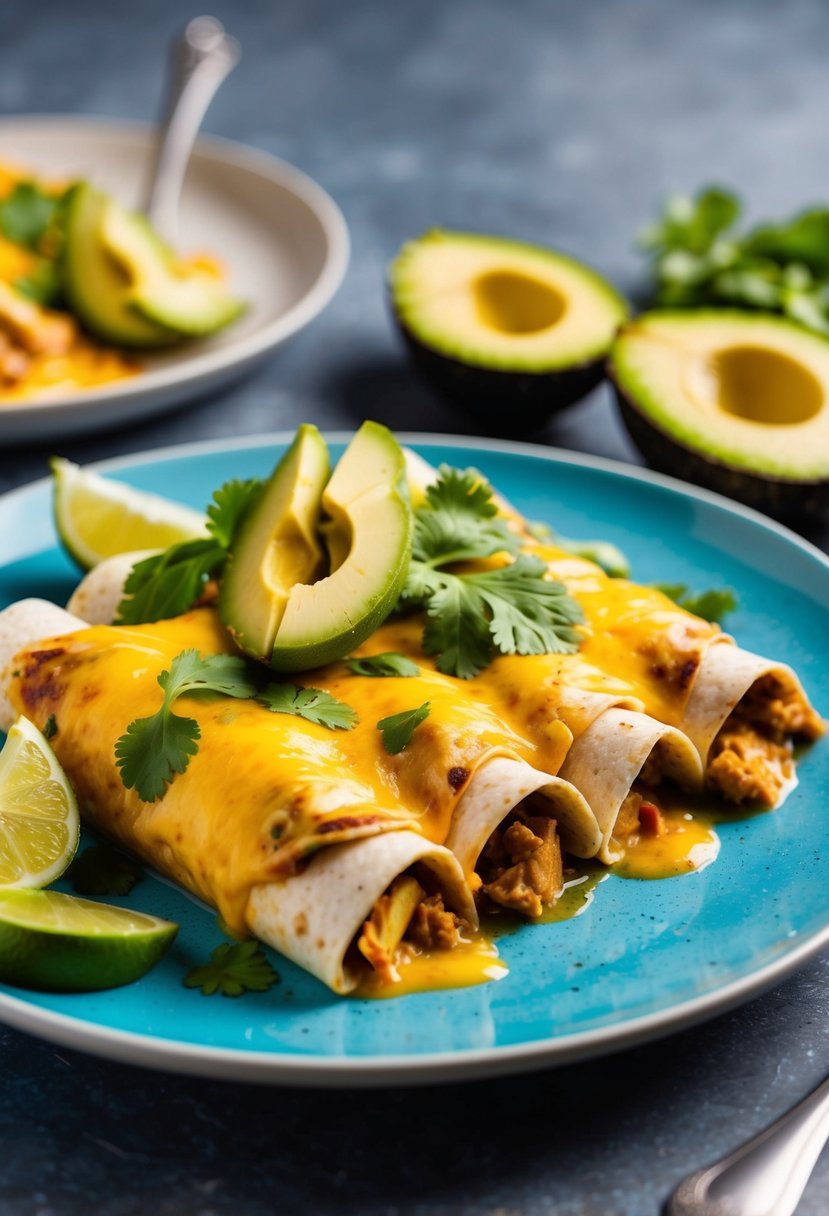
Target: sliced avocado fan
[
  {"x": 282, "y": 599},
  {"x": 736, "y": 402}
]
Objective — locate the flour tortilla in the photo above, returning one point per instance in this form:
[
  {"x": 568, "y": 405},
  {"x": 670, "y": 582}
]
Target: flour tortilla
[
  {"x": 604, "y": 762},
  {"x": 98, "y": 594},
  {"x": 725, "y": 675},
  {"x": 497, "y": 788},
  {"x": 314, "y": 917},
  {"x": 23, "y": 623}
]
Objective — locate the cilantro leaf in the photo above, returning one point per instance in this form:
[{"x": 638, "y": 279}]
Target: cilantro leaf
[
  {"x": 471, "y": 616},
  {"x": 154, "y": 749},
  {"x": 387, "y": 664},
  {"x": 43, "y": 284},
  {"x": 26, "y": 214},
  {"x": 712, "y": 605},
  {"x": 233, "y": 970},
  {"x": 103, "y": 870},
  {"x": 167, "y": 584},
  {"x": 231, "y": 503},
  {"x": 50, "y": 728},
  {"x": 397, "y": 730},
  {"x": 310, "y": 703},
  {"x": 459, "y": 520}
]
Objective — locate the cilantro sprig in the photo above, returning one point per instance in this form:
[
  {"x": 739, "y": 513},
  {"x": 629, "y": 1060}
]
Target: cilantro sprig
[
  {"x": 699, "y": 259},
  {"x": 310, "y": 703},
  {"x": 397, "y": 729},
  {"x": 383, "y": 666},
  {"x": 712, "y": 605},
  {"x": 154, "y": 749},
  {"x": 472, "y": 616},
  {"x": 168, "y": 583},
  {"x": 233, "y": 970}
]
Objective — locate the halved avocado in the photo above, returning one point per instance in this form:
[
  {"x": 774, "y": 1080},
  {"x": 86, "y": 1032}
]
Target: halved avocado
[
  {"x": 735, "y": 402},
  {"x": 369, "y": 536},
  {"x": 276, "y": 547},
  {"x": 508, "y": 331},
  {"x": 126, "y": 285}
]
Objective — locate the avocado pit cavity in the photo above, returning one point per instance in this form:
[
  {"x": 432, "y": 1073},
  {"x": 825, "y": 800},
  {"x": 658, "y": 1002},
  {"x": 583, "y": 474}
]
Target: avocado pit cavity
[
  {"x": 514, "y": 303},
  {"x": 765, "y": 386}
]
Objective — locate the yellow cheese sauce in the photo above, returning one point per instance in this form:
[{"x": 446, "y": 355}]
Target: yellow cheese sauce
[
  {"x": 689, "y": 843},
  {"x": 475, "y": 961}
]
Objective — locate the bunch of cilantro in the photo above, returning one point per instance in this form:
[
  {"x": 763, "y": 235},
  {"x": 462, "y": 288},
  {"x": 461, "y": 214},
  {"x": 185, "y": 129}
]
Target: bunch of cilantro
[{"x": 699, "y": 259}]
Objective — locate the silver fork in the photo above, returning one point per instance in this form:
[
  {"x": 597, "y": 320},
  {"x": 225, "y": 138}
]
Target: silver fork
[
  {"x": 201, "y": 59},
  {"x": 766, "y": 1176}
]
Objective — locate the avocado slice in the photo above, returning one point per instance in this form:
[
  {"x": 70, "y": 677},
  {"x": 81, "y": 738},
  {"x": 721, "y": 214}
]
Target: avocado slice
[
  {"x": 507, "y": 330},
  {"x": 94, "y": 283},
  {"x": 369, "y": 536},
  {"x": 126, "y": 285},
  {"x": 276, "y": 546},
  {"x": 736, "y": 402}
]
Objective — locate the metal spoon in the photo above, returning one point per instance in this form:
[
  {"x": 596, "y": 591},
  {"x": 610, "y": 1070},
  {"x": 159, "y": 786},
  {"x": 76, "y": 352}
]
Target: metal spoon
[
  {"x": 766, "y": 1176},
  {"x": 201, "y": 58}
]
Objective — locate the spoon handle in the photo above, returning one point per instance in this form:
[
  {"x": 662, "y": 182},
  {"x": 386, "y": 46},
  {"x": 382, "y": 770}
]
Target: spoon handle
[
  {"x": 766, "y": 1176},
  {"x": 202, "y": 57}
]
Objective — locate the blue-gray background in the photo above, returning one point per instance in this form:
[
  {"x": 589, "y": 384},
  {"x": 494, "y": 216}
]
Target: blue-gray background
[{"x": 554, "y": 121}]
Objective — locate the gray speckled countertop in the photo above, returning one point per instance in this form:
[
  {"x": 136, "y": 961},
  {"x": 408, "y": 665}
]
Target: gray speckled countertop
[{"x": 553, "y": 121}]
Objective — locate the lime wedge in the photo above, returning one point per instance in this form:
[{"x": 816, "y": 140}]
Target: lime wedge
[
  {"x": 39, "y": 823},
  {"x": 64, "y": 944},
  {"x": 97, "y": 518}
]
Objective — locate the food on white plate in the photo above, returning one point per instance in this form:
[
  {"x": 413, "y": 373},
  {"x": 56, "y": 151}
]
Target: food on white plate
[{"x": 84, "y": 284}]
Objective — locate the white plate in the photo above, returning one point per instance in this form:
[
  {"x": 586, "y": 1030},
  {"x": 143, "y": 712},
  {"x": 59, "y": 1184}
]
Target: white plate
[{"x": 282, "y": 238}]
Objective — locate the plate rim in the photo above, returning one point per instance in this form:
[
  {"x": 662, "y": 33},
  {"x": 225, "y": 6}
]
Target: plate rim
[
  {"x": 250, "y": 347},
  {"x": 429, "y": 1067}
]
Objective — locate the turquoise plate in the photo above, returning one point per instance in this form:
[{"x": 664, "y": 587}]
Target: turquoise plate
[{"x": 644, "y": 959}]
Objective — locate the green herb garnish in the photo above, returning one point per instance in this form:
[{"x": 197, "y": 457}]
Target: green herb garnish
[
  {"x": 390, "y": 663},
  {"x": 233, "y": 970},
  {"x": 605, "y": 554},
  {"x": 699, "y": 259},
  {"x": 27, "y": 213},
  {"x": 398, "y": 729},
  {"x": 102, "y": 870},
  {"x": 515, "y": 609},
  {"x": 168, "y": 583},
  {"x": 310, "y": 703},
  {"x": 154, "y": 749},
  {"x": 50, "y": 728},
  {"x": 712, "y": 605}
]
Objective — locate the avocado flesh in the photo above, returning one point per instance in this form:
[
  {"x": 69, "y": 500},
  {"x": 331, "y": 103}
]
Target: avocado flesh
[
  {"x": 190, "y": 302},
  {"x": 277, "y": 546},
  {"x": 735, "y": 402},
  {"x": 506, "y": 329},
  {"x": 369, "y": 538},
  {"x": 95, "y": 283}
]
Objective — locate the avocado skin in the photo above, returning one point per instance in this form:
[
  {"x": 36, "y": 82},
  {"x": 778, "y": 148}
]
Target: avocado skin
[
  {"x": 782, "y": 498},
  {"x": 508, "y": 402}
]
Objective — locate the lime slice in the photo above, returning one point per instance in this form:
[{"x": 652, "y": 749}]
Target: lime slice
[
  {"x": 39, "y": 823},
  {"x": 97, "y": 518},
  {"x": 64, "y": 944}
]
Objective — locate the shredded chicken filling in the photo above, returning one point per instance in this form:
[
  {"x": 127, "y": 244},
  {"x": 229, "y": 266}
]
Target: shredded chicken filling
[
  {"x": 751, "y": 757},
  {"x": 521, "y": 866},
  {"x": 406, "y": 920}
]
